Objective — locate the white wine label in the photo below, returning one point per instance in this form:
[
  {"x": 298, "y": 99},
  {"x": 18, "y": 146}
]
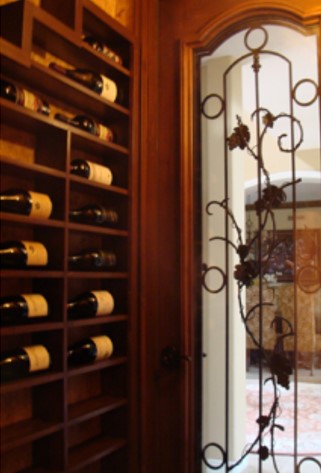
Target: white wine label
[
  {"x": 30, "y": 100},
  {"x": 109, "y": 91},
  {"x": 37, "y": 305},
  {"x": 105, "y": 133},
  {"x": 105, "y": 302},
  {"x": 104, "y": 346},
  {"x": 39, "y": 358},
  {"x": 100, "y": 174},
  {"x": 36, "y": 253},
  {"x": 41, "y": 205}
]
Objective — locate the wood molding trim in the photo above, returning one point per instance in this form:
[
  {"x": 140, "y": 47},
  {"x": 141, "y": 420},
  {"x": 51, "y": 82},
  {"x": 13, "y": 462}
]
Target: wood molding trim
[
  {"x": 201, "y": 43},
  {"x": 149, "y": 234},
  {"x": 277, "y": 12}
]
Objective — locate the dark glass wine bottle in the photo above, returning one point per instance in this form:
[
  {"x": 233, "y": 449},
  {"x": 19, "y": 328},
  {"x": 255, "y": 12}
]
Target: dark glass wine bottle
[
  {"x": 94, "y": 214},
  {"x": 90, "y": 350},
  {"x": 91, "y": 304},
  {"x": 99, "y": 83},
  {"x": 19, "y": 201},
  {"x": 101, "y": 47},
  {"x": 92, "y": 260},
  {"x": 22, "y": 308},
  {"x": 21, "y": 254},
  {"x": 88, "y": 124},
  {"x": 23, "y": 97},
  {"x": 92, "y": 171},
  {"x": 24, "y": 361}
]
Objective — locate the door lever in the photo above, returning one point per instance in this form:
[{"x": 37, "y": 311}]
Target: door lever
[{"x": 171, "y": 357}]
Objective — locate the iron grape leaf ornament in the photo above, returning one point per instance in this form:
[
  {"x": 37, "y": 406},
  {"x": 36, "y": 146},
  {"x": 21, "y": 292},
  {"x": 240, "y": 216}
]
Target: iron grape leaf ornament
[
  {"x": 263, "y": 452},
  {"x": 240, "y": 137},
  {"x": 243, "y": 251},
  {"x": 246, "y": 272},
  {"x": 280, "y": 367},
  {"x": 268, "y": 120},
  {"x": 272, "y": 197},
  {"x": 263, "y": 422}
]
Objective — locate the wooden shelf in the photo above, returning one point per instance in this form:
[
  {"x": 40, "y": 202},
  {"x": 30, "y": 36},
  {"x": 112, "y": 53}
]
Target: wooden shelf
[
  {"x": 32, "y": 273},
  {"x": 93, "y": 407},
  {"x": 108, "y": 319},
  {"x": 61, "y": 419},
  {"x": 97, "y": 366},
  {"x": 32, "y": 381},
  {"x": 114, "y": 189},
  {"x": 39, "y": 470},
  {"x": 98, "y": 275},
  {"x": 90, "y": 452},
  {"x": 27, "y": 431},
  {"x": 32, "y": 167},
  {"x": 96, "y": 229},
  {"x": 30, "y": 220},
  {"x": 31, "y": 328}
]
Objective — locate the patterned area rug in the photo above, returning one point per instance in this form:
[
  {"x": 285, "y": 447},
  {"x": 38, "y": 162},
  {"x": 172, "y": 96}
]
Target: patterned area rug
[{"x": 309, "y": 417}]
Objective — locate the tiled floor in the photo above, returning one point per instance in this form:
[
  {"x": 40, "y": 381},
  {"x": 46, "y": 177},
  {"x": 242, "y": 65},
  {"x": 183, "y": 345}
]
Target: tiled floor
[{"x": 284, "y": 463}]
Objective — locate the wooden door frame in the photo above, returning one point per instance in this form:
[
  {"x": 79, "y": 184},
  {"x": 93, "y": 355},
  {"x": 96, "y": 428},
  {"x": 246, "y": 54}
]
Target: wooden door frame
[{"x": 213, "y": 34}]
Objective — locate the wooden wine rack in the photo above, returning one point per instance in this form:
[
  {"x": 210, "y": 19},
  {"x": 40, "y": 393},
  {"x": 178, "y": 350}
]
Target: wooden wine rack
[{"x": 81, "y": 419}]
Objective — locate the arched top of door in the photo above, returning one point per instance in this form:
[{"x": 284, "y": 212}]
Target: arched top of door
[
  {"x": 219, "y": 28},
  {"x": 204, "y": 42}
]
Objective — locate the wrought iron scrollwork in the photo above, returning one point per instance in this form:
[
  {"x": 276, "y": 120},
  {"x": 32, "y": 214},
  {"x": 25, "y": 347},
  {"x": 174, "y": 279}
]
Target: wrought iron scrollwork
[{"x": 250, "y": 268}]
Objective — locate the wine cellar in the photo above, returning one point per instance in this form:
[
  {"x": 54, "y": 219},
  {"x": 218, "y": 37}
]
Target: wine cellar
[{"x": 63, "y": 412}]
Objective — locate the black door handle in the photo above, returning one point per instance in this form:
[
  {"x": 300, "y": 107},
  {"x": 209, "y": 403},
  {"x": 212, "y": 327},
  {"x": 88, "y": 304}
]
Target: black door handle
[{"x": 171, "y": 357}]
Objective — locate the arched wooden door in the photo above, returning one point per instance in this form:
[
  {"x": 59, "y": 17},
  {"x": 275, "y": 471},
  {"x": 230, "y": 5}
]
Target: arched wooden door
[{"x": 249, "y": 270}]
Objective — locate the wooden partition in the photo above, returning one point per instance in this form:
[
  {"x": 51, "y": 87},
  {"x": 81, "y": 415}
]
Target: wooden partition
[{"x": 69, "y": 418}]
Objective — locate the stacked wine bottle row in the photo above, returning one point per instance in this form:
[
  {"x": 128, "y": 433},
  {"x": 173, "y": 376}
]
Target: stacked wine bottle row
[
  {"x": 102, "y": 48},
  {"x": 68, "y": 299},
  {"x": 24, "y": 307},
  {"x": 25, "y": 254},
  {"x": 34, "y": 358},
  {"x": 27, "y": 99},
  {"x": 39, "y": 205}
]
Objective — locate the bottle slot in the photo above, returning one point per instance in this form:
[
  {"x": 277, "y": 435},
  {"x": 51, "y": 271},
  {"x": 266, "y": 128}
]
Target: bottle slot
[
  {"x": 117, "y": 167},
  {"x": 33, "y": 420},
  {"x": 27, "y": 139},
  {"x": 35, "y": 456},
  {"x": 117, "y": 288},
  {"x": 31, "y": 302},
  {"x": 26, "y": 355},
  {"x": 29, "y": 247},
  {"x": 97, "y": 437},
  {"x": 32, "y": 195},
  {"x": 97, "y": 252}
]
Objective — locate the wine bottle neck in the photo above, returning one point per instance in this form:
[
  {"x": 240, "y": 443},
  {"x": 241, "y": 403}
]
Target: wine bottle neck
[
  {"x": 74, "y": 350},
  {"x": 77, "y": 257},
  {"x": 11, "y": 358},
  {"x": 6, "y": 198},
  {"x": 75, "y": 213},
  {"x": 56, "y": 67},
  {"x": 65, "y": 119},
  {"x": 7, "y": 251},
  {"x": 70, "y": 352},
  {"x": 6, "y": 361},
  {"x": 71, "y": 305}
]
